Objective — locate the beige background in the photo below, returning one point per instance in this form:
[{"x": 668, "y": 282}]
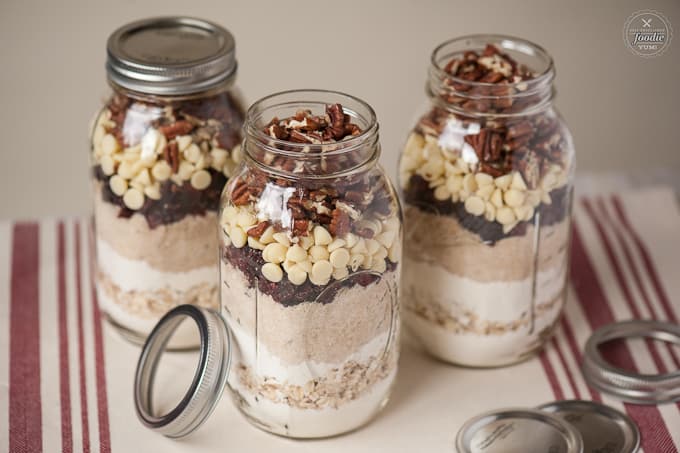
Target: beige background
[{"x": 622, "y": 109}]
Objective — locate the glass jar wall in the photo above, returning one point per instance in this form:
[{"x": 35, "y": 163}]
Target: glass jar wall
[
  {"x": 162, "y": 149},
  {"x": 310, "y": 250},
  {"x": 486, "y": 178}
]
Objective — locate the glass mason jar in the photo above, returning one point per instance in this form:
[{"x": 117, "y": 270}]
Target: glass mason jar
[
  {"x": 486, "y": 177},
  {"x": 310, "y": 264},
  {"x": 162, "y": 149}
]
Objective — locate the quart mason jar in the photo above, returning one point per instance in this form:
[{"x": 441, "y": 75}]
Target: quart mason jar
[
  {"x": 162, "y": 148},
  {"x": 310, "y": 250},
  {"x": 486, "y": 177}
]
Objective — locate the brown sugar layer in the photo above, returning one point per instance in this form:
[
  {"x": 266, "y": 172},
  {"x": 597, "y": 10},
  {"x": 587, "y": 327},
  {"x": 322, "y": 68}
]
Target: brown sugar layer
[
  {"x": 310, "y": 331},
  {"x": 181, "y": 246},
  {"x": 441, "y": 240}
]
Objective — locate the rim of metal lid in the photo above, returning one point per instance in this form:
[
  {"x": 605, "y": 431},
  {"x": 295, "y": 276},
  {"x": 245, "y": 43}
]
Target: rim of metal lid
[
  {"x": 628, "y": 385},
  {"x": 570, "y": 434},
  {"x": 631, "y": 441},
  {"x": 209, "y": 379},
  {"x": 170, "y": 77}
]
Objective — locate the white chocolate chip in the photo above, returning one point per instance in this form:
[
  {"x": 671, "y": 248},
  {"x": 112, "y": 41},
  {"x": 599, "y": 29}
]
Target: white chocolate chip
[
  {"x": 340, "y": 272},
  {"x": 508, "y": 228},
  {"x": 372, "y": 246},
  {"x": 548, "y": 182},
  {"x": 475, "y": 205},
  {"x": 143, "y": 178},
  {"x": 339, "y": 258},
  {"x": 381, "y": 254},
  {"x": 125, "y": 170},
  {"x": 109, "y": 144},
  {"x": 185, "y": 170},
  {"x": 118, "y": 185},
  {"x": 368, "y": 262},
  {"x": 518, "y": 182},
  {"x": 305, "y": 265},
  {"x": 505, "y": 215},
  {"x": 268, "y": 235},
  {"x": 351, "y": 240},
  {"x": 318, "y": 253},
  {"x": 454, "y": 183},
  {"x": 336, "y": 244},
  {"x": 306, "y": 242},
  {"x": 153, "y": 191},
  {"x": 219, "y": 157},
  {"x": 183, "y": 142},
  {"x": 469, "y": 183},
  {"x": 272, "y": 272},
  {"x": 442, "y": 193},
  {"x": 321, "y": 271},
  {"x": 161, "y": 170},
  {"x": 545, "y": 198},
  {"x": 485, "y": 192},
  {"x": 503, "y": 182},
  {"x": 133, "y": 199},
  {"x": 394, "y": 253},
  {"x": 200, "y": 180},
  {"x": 387, "y": 237},
  {"x": 490, "y": 211},
  {"x": 497, "y": 198},
  {"x": 296, "y": 275},
  {"x": 483, "y": 179},
  {"x": 274, "y": 252},
  {"x": 514, "y": 198},
  {"x": 281, "y": 238},
  {"x": 108, "y": 165},
  {"x": 238, "y": 237},
  {"x": 245, "y": 219},
  {"x": 379, "y": 265},
  {"x": 355, "y": 261},
  {"x": 296, "y": 254},
  {"x": 360, "y": 247},
  {"x": 255, "y": 244},
  {"x": 322, "y": 236},
  {"x": 192, "y": 153},
  {"x": 236, "y": 154}
]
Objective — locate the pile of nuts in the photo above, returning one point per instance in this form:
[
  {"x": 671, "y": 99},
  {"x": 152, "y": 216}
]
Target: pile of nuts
[
  {"x": 506, "y": 199},
  {"x": 163, "y": 153},
  {"x": 316, "y": 254}
]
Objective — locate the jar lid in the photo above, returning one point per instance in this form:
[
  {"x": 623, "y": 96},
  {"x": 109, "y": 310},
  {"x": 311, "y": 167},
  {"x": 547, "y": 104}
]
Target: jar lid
[
  {"x": 518, "y": 430},
  {"x": 209, "y": 380},
  {"x": 602, "y": 428},
  {"x": 170, "y": 56},
  {"x": 629, "y": 385}
]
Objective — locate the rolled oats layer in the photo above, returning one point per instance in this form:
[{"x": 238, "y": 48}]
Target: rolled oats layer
[
  {"x": 310, "y": 279},
  {"x": 485, "y": 176},
  {"x": 158, "y": 173}
]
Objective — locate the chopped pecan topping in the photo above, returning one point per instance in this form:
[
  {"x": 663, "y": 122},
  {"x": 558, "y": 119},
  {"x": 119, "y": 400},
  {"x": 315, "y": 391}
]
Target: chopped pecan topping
[
  {"x": 303, "y": 127},
  {"x": 340, "y": 223},
  {"x": 172, "y": 130},
  {"x": 258, "y": 229}
]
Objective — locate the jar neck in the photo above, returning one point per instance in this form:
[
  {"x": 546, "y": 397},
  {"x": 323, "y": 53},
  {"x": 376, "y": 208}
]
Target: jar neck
[
  {"x": 318, "y": 160},
  {"x": 469, "y": 95},
  {"x": 216, "y": 90}
]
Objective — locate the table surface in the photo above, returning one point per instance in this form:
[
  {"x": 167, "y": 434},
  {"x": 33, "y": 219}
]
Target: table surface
[
  {"x": 68, "y": 385},
  {"x": 621, "y": 108}
]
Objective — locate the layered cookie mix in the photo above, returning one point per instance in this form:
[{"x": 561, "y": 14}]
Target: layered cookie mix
[
  {"x": 485, "y": 176},
  {"x": 158, "y": 173},
  {"x": 310, "y": 269}
]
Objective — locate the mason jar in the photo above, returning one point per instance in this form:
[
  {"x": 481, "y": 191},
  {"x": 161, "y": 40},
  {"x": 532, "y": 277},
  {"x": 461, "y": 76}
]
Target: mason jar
[
  {"x": 310, "y": 260},
  {"x": 486, "y": 177},
  {"x": 162, "y": 149}
]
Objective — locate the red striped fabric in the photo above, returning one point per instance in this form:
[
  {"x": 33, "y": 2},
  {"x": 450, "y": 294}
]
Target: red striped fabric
[
  {"x": 100, "y": 366},
  {"x": 64, "y": 366},
  {"x": 655, "y": 434},
  {"x": 25, "y": 403},
  {"x": 84, "y": 416}
]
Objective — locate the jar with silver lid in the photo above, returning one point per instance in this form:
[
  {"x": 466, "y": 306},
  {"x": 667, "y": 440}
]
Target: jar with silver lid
[
  {"x": 486, "y": 175},
  {"x": 162, "y": 149}
]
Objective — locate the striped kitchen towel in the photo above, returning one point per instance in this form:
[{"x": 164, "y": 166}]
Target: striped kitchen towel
[{"x": 66, "y": 377}]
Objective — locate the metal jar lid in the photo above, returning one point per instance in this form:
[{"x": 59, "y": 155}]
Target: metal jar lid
[
  {"x": 602, "y": 428},
  {"x": 518, "y": 430},
  {"x": 170, "y": 56},
  {"x": 209, "y": 380},
  {"x": 628, "y": 385}
]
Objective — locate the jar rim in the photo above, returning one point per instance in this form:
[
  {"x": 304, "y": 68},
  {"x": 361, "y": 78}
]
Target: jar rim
[
  {"x": 299, "y": 97},
  {"x": 519, "y": 45}
]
